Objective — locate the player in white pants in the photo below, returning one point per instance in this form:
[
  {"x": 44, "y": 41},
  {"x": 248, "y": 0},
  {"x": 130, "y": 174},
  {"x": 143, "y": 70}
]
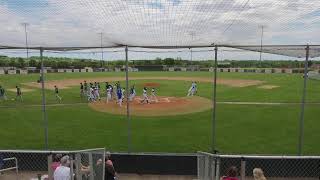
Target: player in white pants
[
  {"x": 123, "y": 92},
  {"x": 109, "y": 94},
  {"x": 145, "y": 97},
  {"x": 96, "y": 93},
  {"x": 91, "y": 94},
  {"x": 153, "y": 95},
  {"x": 193, "y": 89},
  {"x": 56, "y": 90}
]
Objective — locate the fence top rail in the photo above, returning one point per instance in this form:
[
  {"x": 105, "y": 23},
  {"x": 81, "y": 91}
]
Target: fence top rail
[
  {"x": 50, "y": 151},
  {"x": 258, "y": 156}
]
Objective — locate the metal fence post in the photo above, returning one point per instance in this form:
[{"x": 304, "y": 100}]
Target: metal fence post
[
  {"x": 218, "y": 168},
  {"x": 44, "y": 111},
  {"x": 213, "y": 167},
  {"x": 301, "y": 124},
  {"x": 243, "y": 169},
  {"x": 78, "y": 166},
  {"x": 128, "y": 104},
  {"x": 214, "y": 100},
  {"x": 71, "y": 169},
  {"x": 91, "y": 177},
  {"x": 50, "y": 173}
]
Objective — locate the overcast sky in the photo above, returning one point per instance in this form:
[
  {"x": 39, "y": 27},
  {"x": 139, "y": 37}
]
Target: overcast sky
[{"x": 159, "y": 23}]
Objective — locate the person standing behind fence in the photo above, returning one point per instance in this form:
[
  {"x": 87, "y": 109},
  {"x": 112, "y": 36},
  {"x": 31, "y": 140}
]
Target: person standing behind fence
[
  {"x": 63, "y": 171},
  {"x": 110, "y": 172},
  {"x": 56, "y": 90},
  {"x": 231, "y": 174},
  {"x": 258, "y": 174},
  {"x": 56, "y": 162}
]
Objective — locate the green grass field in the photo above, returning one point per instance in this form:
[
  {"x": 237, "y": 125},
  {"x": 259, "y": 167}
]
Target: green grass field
[{"x": 249, "y": 129}]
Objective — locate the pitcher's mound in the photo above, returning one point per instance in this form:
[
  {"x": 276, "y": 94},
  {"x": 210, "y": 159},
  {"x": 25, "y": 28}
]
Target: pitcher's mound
[{"x": 165, "y": 106}]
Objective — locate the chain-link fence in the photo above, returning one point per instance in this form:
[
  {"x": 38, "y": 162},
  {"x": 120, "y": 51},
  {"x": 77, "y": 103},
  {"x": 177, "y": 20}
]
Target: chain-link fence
[
  {"x": 213, "y": 166},
  {"x": 41, "y": 165}
]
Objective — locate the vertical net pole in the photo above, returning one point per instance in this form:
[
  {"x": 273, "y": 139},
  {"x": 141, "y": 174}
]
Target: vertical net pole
[
  {"x": 78, "y": 166},
  {"x": 91, "y": 177},
  {"x": 128, "y": 105},
  {"x": 243, "y": 169},
  {"x": 50, "y": 172},
  {"x": 44, "y": 111},
  {"x": 301, "y": 126},
  {"x": 214, "y": 100}
]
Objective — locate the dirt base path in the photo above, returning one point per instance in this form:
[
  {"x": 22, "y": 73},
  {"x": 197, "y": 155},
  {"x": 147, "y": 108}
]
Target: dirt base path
[
  {"x": 166, "y": 106},
  {"x": 67, "y": 83}
]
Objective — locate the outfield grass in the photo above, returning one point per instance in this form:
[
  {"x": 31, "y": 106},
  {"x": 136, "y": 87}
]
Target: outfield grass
[{"x": 253, "y": 129}]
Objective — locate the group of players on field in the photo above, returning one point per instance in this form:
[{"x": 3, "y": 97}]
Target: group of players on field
[{"x": 91, "y": 92}]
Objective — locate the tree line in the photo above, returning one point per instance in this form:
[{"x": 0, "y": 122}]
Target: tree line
[{"x": 63, "y": 62}]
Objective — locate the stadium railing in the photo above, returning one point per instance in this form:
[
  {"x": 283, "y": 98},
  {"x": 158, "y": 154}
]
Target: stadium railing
[
  {"x": 88, "y": 164},
  {"x": 214, "y": 166}
]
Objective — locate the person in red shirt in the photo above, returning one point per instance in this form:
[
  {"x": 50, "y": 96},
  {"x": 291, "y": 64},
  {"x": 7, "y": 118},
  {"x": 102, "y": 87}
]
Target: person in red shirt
[{"x": 232, "y": 174}]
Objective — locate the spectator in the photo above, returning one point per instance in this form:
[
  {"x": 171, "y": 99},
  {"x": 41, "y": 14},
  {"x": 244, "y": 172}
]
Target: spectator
[
  {"x": 258, "y": 174},
  {"x": 63, "y": 171},
  {"x": 231, "y": 174},
  {"x": 56, "y": 162},
  {"x": 110, "y": 173}
]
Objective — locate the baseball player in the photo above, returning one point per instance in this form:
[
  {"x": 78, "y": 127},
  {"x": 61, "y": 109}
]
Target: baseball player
[
  {"x": 109, "y": 93},
  {"x": 82, "y": 94},
  {"x": 85, "y": 87},
  {"x": 153, "y": 95},
  {"x": 96, "y": 93},
  {"x": 91, "y": 94},
  {"x": 19, "y": 94},
  {"x": 145, "y": 96},
  {"x": 119, "y": 95},
  {"x": 132, "y": 93},
  {"x": 56, "y": 90},
  {"x": 193, "y": 89},
  {"x": 3, "y": 93},
  {"x": 123, "y": 91}
]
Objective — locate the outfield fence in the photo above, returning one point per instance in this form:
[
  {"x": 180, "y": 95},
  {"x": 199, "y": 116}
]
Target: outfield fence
[
  {"x": 214, "y": 166},
  {"x": 314, "y": 75},
  {"x": 86, "y": 164}
]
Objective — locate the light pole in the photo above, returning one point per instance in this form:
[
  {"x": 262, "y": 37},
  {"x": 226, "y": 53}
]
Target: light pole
[
  {"x": 26, "y": 36},
  {"x": 261, "y": 41},
  {"x": 101, "y": 35},
  {"x": 192, "y": 35}
]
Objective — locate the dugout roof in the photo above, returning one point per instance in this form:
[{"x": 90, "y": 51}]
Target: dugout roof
[{"x": 65, "y": 25}]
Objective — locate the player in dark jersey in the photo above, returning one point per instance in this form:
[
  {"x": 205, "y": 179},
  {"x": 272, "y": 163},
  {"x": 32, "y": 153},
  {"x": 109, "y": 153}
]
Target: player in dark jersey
[
  {"x": 119, "y": 94},
  {"x": 3, "y": 93},
  {"x": 19, "y": 94},
  {"x": 82, "y": 91},
  {"x": 56, "y": 91},
  {"x": 85, "y": 88}
]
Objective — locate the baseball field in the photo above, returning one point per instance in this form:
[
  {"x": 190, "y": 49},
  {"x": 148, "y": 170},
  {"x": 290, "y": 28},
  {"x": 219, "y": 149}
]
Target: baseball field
[{"x": 256, "y": 113}]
